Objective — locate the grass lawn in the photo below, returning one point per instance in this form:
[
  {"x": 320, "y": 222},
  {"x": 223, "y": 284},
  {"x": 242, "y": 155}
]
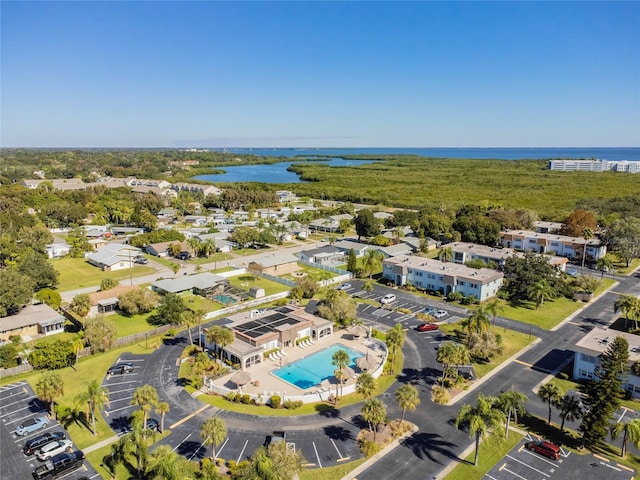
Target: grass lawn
[
  {"x": 330, "y": 473},
  {"x": 78, "y": 273},
  {"x": 512, "y": 342},
  {"x": 218, "y": 257},
  {"x": 551, "y": 313},
  {"x": 622, "y": 269},
  {"x": 196, "y": 302},
  {"x": 247, "y": 281},
  {"x": 128, "y": 325},
  {"x": 491, "y": 451}
]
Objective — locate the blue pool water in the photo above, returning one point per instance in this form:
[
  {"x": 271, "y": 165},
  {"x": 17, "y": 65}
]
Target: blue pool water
[{"x": 311, "y": 370}]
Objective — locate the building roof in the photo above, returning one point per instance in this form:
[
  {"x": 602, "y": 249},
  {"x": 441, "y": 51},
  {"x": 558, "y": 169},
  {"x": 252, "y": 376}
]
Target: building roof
[
  {"x": 201, "y": 281},
  {"x": 550, "y": 237},
  {"x": 114, "y": 292},
  {"x": 497, "y": 253},
  {"x": 351, "y": 244},
  {"x": 40, "y": 314},
  {"x": 113, "y": 253},
  {"x": 327, "y": 250},
  {"x": 483, "y": 275},
  {"x": 395, "y": 250},
  {"x": 272, "y": 259},
  {"x": 598, "y": 339}
]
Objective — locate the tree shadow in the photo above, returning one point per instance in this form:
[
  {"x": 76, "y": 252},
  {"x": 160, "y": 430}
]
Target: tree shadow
[
  {"x": 75, "y": 417},
  {"x": 120, "y": 424},
  {"x": 327, "y": 411},
  {"x": 337, "y": 432},
  {"x": 174, "y": 341},
  {"x": 192, "y": 449},
  {"x": 424, "y": 445}
]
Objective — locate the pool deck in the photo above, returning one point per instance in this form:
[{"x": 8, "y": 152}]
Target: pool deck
[{"x": 265, "y": 383}]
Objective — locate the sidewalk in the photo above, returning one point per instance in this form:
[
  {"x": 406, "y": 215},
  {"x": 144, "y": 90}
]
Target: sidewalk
[{"x": 103, "y": 443}]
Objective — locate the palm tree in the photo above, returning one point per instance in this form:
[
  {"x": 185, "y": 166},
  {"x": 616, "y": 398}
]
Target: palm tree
[
  {"x": 372, "y": 261},
  {"x": 479, "y": 321},
  {"x": 95, "y": 396},
  {"x": 395, "y": 339},
  {"x": 174, "y": 268},
  {"x": 408, "y": 398},
  {"x": 214, "y": 431},
  {"x": 188, "y": 319},
  {"x": 447, "y": 356},
  {"x": 195, "y": 244},
  {"x": 146, "y": 397},
  {"x": 483, "y": 420},
  {"x": 221, "y": 336},
  {"x": 539, "y": 291},
  {"x": 49, "y": 387},
  {"x": 445, "y": 255},
  {"x": 367, "y": 286},
  {"x": 549, "y": 393},
  {"x": 495, "y": 307},
  {"x": 511, "y": 402},
  {"x": 587, "y": 234},
  {"x": 628, "y": 305},
  {"x": 374, "y": 412},
  {"x": 570, "y": 409},
  {"x": 135, "y": 442},
  {"x": 166, "y": 464},
  {"x": 162, "y": 408},
  {"x": 629, "y": 430},
  {"x": 366, "y": 385},
  {"x": 604, "y": 263},
  {"x": 340, "y": 376},
  {"x": 340, "y": 360},
  {"x": 77, "y": 346}
]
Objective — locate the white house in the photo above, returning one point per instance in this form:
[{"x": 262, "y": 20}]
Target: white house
[
  {"x": 465, "y": 252},
  {"x": 57, "y": 250},
  {"x": 114, "y": 256},
  {"x": 561, "y": 245},
  {"x": 435, "y": 275}
]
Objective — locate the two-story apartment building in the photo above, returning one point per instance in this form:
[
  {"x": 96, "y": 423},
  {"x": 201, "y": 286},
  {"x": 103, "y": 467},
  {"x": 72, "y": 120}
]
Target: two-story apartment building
[
  {"x": 465, "y": 252},
  {"x": 554, "y": 244},
  {"x": 444, "y": 277}
]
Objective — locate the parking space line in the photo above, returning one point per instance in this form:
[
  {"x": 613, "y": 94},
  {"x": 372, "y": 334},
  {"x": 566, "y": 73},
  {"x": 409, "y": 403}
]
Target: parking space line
[
  {"x": 126, "y": 360},
  {"x": 624, "y": 467},
  {"x": 19, "y": 410},
  {"x": 334, "y": 446},
  {"x": 111, "y": 392},
  {"x": 540, "y": 458},
  {"x": 12, "y": 386},
  {"x": 115, "y": 383},
  {"x": 530, "y": 365},
  {"x": 317, "y": 456},
  {"x": 19, "y": 401},
  {"x": 527, "y": 465},
  {"x": 23, "y": 418},
  {"x": 624, "y": 411},
  {"x": 183, "y": 440},
  {"x": 492, "y": 478},
  {"x": 191, "y": 415},
  {"x": 196, "y": 451},
  {"x": 222, "y": 447},
  {"x": 242, "y": 451},
  {"x": 108, "y": 412},
  {"x": 513, "y": 473}
]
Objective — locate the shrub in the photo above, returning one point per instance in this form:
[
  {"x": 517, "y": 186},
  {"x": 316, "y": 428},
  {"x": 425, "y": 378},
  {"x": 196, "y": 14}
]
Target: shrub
[
  {"x": 231, "y": 396},
  {"x": 281, "y": 302},
  {"x": 275, "y": 401},
  {"x": 368, "y": 448},
  {"x": 197, "y": 382},
  {"x": 107, "y": 283},
  {"x": 455, "y": 297},
  {"x": 221, "y": 462},
  {"x": 246, "y": 399},
  {"x": 406, "y": 311},
  {"x": 440, "y": 394},
  {"x": 292, "y": 404}
]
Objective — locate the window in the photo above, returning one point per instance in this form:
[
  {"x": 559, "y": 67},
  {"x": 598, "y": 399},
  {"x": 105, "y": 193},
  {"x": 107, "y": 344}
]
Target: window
[{"x": 460, "y": 282}]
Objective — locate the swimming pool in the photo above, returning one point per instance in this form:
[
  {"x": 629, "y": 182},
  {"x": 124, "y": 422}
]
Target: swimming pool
[{"x": 311, "y": 370}]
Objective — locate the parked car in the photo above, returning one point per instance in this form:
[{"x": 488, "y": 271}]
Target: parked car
[
  {"x": 153, "y": 424},
  {"x": 546, "y": 449},
  {"x": 275, "y": 437},
  {"x": 439, "y": 313},
  {"x": 183, "y": 256},
  {"x": 58, "y": 465},
  {"x": 427, "y": 327},
  {"x": 572, "y": 272},
  {"x": 344, "y": 286},
  {"x": 141, "y": 260},
  {"x": 54, "y": 448},
  {"x": 31, "y": 446},
  {"x": 120, "y": 368},
  {"x": 389, "y": 298},
  {"x": 429, "y": 310},
  {"x": 31, "y": 425}
]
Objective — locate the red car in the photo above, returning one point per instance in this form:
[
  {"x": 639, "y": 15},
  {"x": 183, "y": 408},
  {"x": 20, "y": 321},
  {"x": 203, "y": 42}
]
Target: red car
[{"x": 427, "y": 327}]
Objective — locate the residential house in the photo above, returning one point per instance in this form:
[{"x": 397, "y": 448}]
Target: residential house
[
  {"x": 547, "y": 227},
  {"x": 277, "y": 263},
  {"x": 395, "y": 250},
  {"x": 32, "y": 321},
  {"x": 114, "y": 256},
  {"x": 348, "y": 244},
  {"x": 57, "y": 250},
  {"x": 325, "y": 255},
  {"x": 162, "y": 249},
  {"x": 464, "y": 252},
  {"x": 551, "y": 243},
  {"x": 442, "y": 277},
  {"x": 106, "y": 301},
  {"x": 200, "y": 284}
]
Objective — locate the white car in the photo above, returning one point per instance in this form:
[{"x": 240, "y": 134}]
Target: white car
[
  {"x": 54, "y": 448},
  {"x": 344, "y": 286},
  {"x": 389, "y": 298},
  {"x": 439, "y": 314}
]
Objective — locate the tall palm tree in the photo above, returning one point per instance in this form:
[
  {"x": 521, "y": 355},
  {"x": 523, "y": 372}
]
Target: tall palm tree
[
  {"x": 479, "y": 320},
  {"x": 495, "y": 307},
  {"x": 395, "y": 339},
  {"x": 340, "y": 360},
  {"x": 587, "y": 234},
  {"x": 408, "y": 398},
  {"x": 446, "y": 254},
  {"x": 213, "y": 431},
  {"x": 49, "y": 387},
  {"x": 221, "y": 336},
  {"x": 95, "y": 396},
  {"x": 162, "y": 408},
  {"x": 629, "y": 306},
  {"x": 195, "y": 245},
  {"x": 340, "y": 376},
  {"x": 549, "y": 393},
  {"x": 483, "y": 420},
  {"x": 511, "y": 402},
  {"x": 604, "y": 263},
  {"x": 539, "y": 291},
  {"x": 570, "y": 409},
  {"x": 374, "y": 412},
  {"x": 366, "y": 385},
  {"x": 188, "y": 319},
  {"x": 165, "y": 463},
  {"x": 447, "y": 356},
  {"x": 372, "y": 261},
  {"x": 146, "y": 397},
  {"x": 135, "y": 442},
  {"x": 78, "y": 345},
  {"x": 629, "y": 430}
]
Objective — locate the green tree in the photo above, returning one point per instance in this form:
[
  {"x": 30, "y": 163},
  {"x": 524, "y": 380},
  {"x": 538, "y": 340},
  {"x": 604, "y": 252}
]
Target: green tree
[
  {"x": 81, "y": 304},
  {"x": 366, "y": 385},
  {"x": 587, "y": 234},
  {"x": 478, "y": 321},
  {"x": 287, "y": 462},
  {"x": 624, "y": 237},
  {"x": 495, "y": 307},
  {"x": 340, "y": 360},
  {"x": 629, "y": 430},
  {"x": 372, "y": 262},
  {"x": 521, "y": 272},
  {"x": 49, "y": 297},
  {"x": 108, "y": 283},
  {"x": 213, "y": 431},
  {"x": 511, "y": 403},
  {"x": 570, "y": 409},
  {"x": 49, "y": 388},
  {"x": 352, "y": 261},
  {"x": 604, "y": 264},
  {"x": 484, "y": 345},
  {"x": 604, "y": 392},
  {"x": 483, "y": 420},
  {"x": 162, "y": 408},
  {"x": 37, "y": 267},
  {"x": 221, "y": 337},
  {"x": 445, "y": 255},
  {"x": 94, "y": 397},
  {"x": 539, "y": 291},
  {"x": 146, "y": 397},
  {"x": 629, "y": 305},
  {"x": 366, "y": 224},
  {"x": 16, "y": 291},
  {"x": 135, "y": 442},
  {"x": 140, "y": 300},
  {"x": 99, "y": 333},
  {"x": 244, "y": 236},
  {"x": 338, "y": 307},
  {"x": 164, "y": 463},
  {"x": 8, "y": 355},
  {"x": 550, "y": 393},
  {"x": 395, "y": 340},
  {"x": 408, "y": 398},
  {"x": 374, "y": 413},
  {"x": 52, "y": 356},
  {"x": 169, "y": 310}
]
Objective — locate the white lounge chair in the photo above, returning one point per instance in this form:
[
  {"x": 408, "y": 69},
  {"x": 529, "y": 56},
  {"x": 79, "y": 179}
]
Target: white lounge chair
[{"x": 283, "y": 353}]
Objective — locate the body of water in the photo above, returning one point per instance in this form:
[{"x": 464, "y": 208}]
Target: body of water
[
  {"x": 277, "y": 173},
  {"x": 311, "y": 370}
]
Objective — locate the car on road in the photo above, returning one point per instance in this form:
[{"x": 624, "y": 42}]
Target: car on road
[
  {"x": 31, "y": 425},
  {"x": 344, "y": 286},
  {"x": 546, "y": 449},
  {"x": 427, "y": 327},
  {"x": 439, "y": 314},
  {"x": 389, "y": 298},
  {"x": 54, "y": 448},
  {"x": 32, "y": 446},
  {"x": 120, "y": 368}
]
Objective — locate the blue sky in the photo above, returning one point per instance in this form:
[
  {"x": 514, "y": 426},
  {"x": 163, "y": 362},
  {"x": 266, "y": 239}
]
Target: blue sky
[{"x": 314, "y": 74}]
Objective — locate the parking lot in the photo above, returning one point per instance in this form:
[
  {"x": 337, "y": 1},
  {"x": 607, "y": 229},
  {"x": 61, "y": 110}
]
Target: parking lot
[
  {"x": 17, "y": 404},
  {"x": 523, "y": 464}
]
